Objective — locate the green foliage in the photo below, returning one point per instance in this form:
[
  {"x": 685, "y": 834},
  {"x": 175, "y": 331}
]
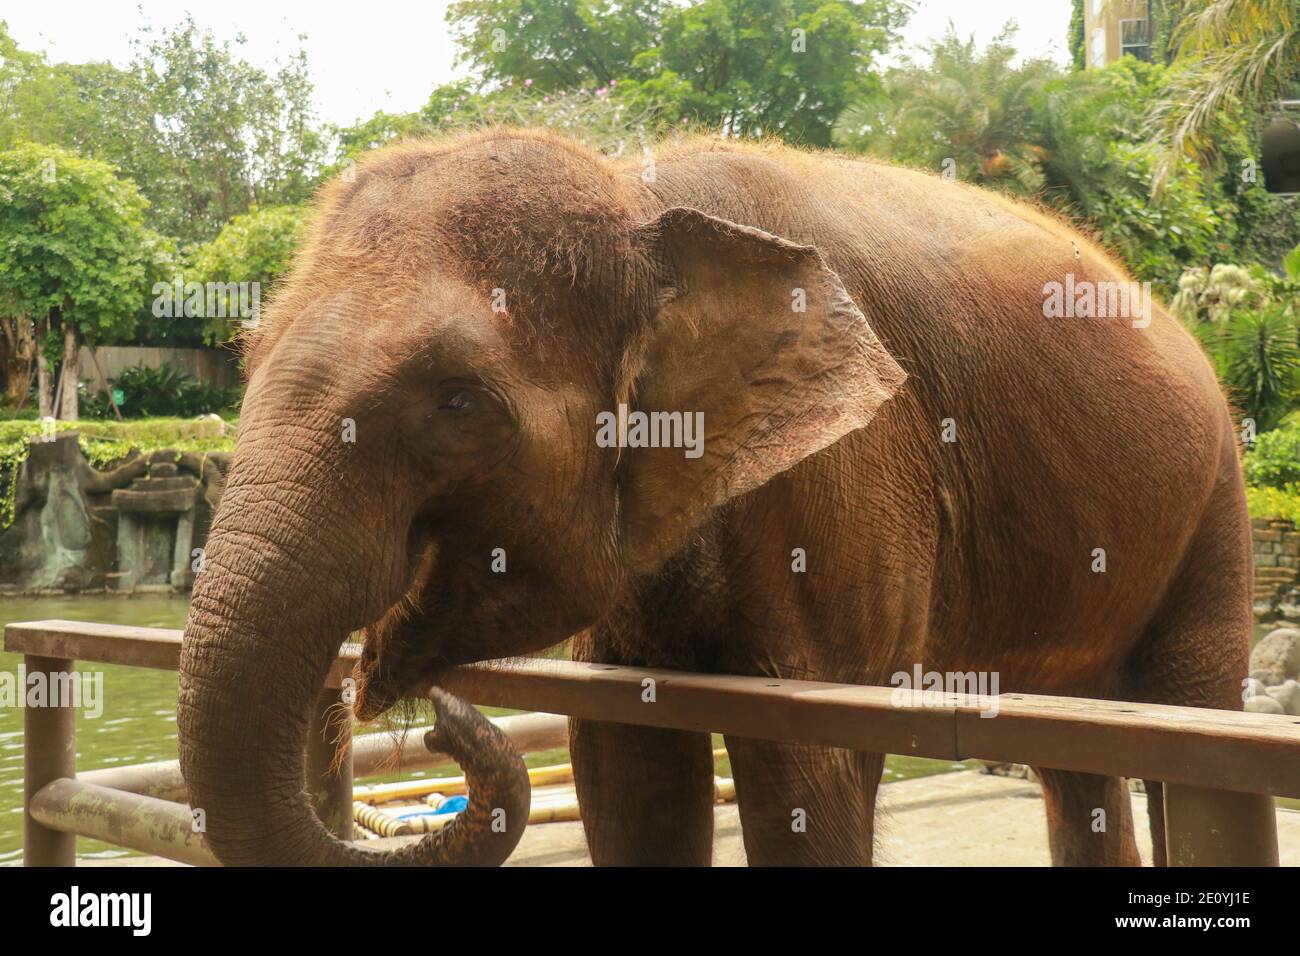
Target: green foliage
[
  {"x": 1274, "y": 462},
  {"x": 1281, "y": 503},
  {"x": 204, "y": 133},
  {"x": 254, "y": 247},
  {"x": 1260, "y": 362},
  {"x": 965, "y": 110},
  {"x": 1234, "y": 53},
  {"x": 747, "y": 75},
  {"x": 1266, "y": 226},
  {"x": 741, "y": 67},
  {"x": 600, "y": 118},
  {"x": 163, "y": 261},
  {"x": 1099, "y": 166},
  {"x": 165, "y": 390},
  {"x": 1248, "y": 322},
  {"x": 1078, "y": 42},
  {"x": 365, "y": 135},
  {"x": 233, "y": 134},
  {"x": 1078, "y": 141},
  {"x": 15, "y": 439},
  {"x": 1165, "y": 16},
  {"x": 71, "y": 240},
  {"x": 556, "y": 44},
  {"x": 105, "y": 444}
]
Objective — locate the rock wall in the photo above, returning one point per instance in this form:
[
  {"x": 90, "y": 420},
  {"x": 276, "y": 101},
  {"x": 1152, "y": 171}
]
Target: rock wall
[
  {"x": 77, "y": 528},
  {"x": 1277, "y": 569}
]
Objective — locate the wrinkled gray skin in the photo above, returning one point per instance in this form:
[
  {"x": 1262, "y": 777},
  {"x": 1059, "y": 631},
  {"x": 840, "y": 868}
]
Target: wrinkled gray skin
[{"x": 466, "y": 308}]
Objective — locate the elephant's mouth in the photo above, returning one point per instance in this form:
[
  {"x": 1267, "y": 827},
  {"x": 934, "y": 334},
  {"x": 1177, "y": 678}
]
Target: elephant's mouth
[
  {"x": 383, "y": 680},
  {"x": 399, "y": 658}
]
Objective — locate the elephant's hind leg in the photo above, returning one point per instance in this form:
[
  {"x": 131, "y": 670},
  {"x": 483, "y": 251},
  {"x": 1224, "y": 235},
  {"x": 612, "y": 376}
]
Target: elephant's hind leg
[
  {"x": 1089, "y": 819},
  {"x": 805, "y": 806},
  {"x": 1195, "y": 651}
]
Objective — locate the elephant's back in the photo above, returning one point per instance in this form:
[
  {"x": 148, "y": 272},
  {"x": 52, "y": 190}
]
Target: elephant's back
[
  {"x": 964, "y": 288},
  {"x": 1050, "y": 443}
]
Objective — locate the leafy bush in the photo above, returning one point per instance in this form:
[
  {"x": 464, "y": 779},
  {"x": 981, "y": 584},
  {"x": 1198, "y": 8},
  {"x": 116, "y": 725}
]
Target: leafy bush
[
  {"x": 967, "y": 110},
  {"x": 1275, "y": 460},
  {"x": 1099, "y": 163},
  {"x": 165, "y": 390},
  {"x": 1281, "y": 503},
  {"x": 1248, "y": 321}
]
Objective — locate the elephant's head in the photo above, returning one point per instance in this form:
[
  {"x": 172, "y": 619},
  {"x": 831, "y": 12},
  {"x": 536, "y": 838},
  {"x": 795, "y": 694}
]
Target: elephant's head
[{"x": 418, "y": 451}]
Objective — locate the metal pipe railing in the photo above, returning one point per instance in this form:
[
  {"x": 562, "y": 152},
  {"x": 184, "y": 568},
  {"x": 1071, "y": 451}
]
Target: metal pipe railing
[{"x": 372, "y": 754}]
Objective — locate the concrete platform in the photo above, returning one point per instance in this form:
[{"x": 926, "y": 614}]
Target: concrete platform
[{"x": 955, "y": 819}]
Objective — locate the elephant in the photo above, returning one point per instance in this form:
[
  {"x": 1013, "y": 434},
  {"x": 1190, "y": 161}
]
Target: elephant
[{"x": 909, "y": 457}]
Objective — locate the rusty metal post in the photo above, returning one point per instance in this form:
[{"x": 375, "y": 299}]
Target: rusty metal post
[
  {"x": 330, "y": 734},
  {"x": 1219, "y": 827},
  {"x": 49, "y": 753}
]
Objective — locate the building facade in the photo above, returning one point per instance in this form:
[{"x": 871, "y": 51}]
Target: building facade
[{"x": 1116, "y": 28}]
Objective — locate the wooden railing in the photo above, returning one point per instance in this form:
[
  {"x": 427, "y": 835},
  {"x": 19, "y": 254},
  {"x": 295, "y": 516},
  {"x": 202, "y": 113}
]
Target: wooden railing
[{"x": 1220, "y": 768}]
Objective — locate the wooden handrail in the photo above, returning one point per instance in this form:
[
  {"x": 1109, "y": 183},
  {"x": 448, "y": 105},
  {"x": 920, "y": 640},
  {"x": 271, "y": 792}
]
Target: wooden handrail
[{"x": 1220, "y": 750}]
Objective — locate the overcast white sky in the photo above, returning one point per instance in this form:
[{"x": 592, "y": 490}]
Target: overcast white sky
[{"x": 382, "y": 54}]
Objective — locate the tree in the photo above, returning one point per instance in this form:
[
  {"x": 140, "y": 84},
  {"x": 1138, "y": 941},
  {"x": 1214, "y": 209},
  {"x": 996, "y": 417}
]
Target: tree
[
  {"x": 234, "y": 135},
  {"x": 365, "y": 135},
  {"x": 966, "y": 110},
  {"x": 1098, "y": 164},
  {"x": 71, "y": 259},
  {"x": 554, "y": 44},
  {"x": 242, "y": 263},
  {"x": 18, "y": 347},
  {"x": 1235, "y": 52},
  {"x": 747, "y": 68},
  {"x": 204, "y": 134}
]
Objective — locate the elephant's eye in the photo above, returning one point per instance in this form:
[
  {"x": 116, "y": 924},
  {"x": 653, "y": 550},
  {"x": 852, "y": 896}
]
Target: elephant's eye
[
  {"x": 460, "y": 421},
  {"x": 455, "y": 401}
]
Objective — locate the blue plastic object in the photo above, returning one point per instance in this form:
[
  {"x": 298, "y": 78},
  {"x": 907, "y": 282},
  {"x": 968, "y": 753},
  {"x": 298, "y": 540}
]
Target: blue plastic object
[{"x": 452, "y": 805}]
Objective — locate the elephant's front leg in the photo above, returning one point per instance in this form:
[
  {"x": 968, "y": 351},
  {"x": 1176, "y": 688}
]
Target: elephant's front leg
[
  {"x": 805, "y": 806},
  {"x": 646, "y": 794}
]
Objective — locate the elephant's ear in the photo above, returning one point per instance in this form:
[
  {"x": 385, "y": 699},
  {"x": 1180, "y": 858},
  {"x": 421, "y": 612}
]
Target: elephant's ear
[{"x": 760, "y": 336}]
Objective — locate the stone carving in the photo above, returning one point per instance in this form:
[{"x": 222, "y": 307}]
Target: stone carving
[{"x": 133, "y": 526}]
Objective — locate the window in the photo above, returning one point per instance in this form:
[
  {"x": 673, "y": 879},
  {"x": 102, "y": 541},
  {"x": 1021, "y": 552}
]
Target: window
[
  {"x": 1135, "y": 39},
  {"x": 1098, "y": 47}
]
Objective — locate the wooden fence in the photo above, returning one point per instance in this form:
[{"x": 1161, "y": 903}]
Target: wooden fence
[
  {"x": 1220, "y": 768},
  {"x": 216, "y": 367}
]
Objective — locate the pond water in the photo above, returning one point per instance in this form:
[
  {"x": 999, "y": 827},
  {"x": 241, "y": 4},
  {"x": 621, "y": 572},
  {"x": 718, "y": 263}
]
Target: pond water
[{"x": 138, "y": 722}]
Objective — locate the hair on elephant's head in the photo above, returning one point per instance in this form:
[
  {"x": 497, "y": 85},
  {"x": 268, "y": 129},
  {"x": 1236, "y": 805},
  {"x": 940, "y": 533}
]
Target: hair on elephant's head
[{"x": 418, "y": 451}]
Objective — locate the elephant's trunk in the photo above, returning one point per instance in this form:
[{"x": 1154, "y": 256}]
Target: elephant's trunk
[{"x": 282, "y": 586}]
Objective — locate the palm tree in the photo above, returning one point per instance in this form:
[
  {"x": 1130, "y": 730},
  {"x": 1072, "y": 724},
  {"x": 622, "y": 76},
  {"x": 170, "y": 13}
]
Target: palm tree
[
  {"x": 1233, "y": 51},
  {"x": 967, "y": 106}
]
